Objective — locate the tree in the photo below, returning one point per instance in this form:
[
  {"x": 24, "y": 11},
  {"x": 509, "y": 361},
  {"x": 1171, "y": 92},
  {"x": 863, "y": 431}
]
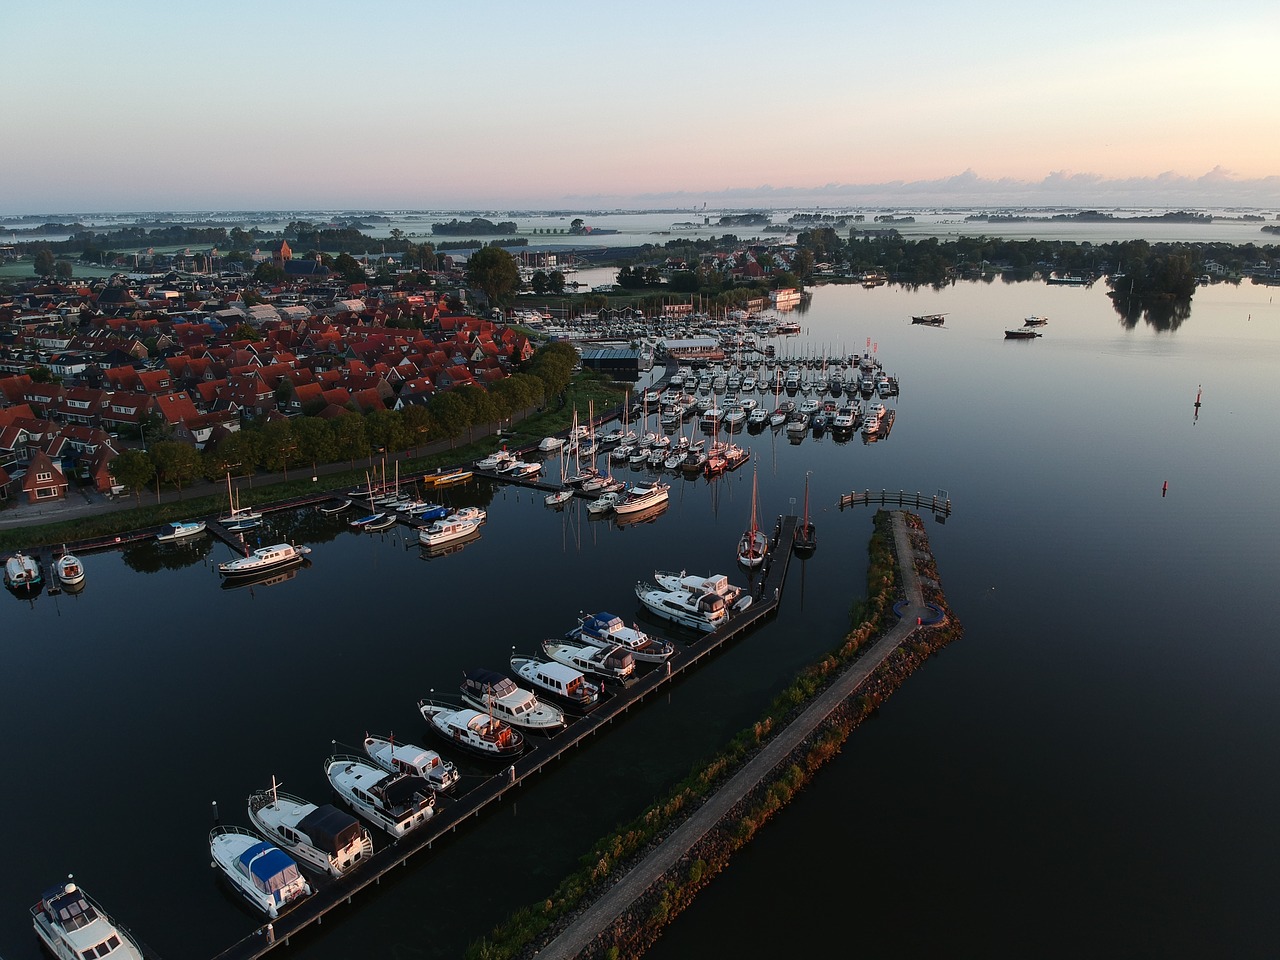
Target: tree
[
  {"x": 418, "y": 424},
  {"x": 63, "y": 270},
  {"x": 450, "y": 415},
  {"x": 556, "y": 282},
  {"x": 350, "y": 439},
  {"x": 350, "y": 269},
  {"x": 44, "y": 263},
  {"x": 315, "y": 440},
  {"x": 41, "y": 374},
  {"x": 495, "y": 272},
  {"x": 134, "y": 470},
  {"x": 279, "y": 448},
  {"x": 539, "y": 282},
  {"x": 268, "y": 271},
  {"x": 175, "y": 462},
  {"x": 235, "y": 454}
]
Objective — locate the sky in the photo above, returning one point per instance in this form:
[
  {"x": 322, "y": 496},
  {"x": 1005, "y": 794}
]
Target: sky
[{"x": 141, "y": 105}]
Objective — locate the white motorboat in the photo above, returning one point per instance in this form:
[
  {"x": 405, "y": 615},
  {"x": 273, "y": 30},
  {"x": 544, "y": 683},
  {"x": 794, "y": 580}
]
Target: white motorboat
[
  {"x": 560, "y": 682},
  {"x": 497, "y": 694},
  {"x": 180, "y": 531},
  {"x": 69, "y": 570},
  {"x": 447, "y": 530},
  {"x": 607, "y": 630},
  {"x": 74, "y": 927},
  {"x": 698, "y": 611},
  {"x": 22, "y": 572},
  {"x": 410, "y": 758},
  {"x": 641, "y": 496},
  {"x": 735, "y": 597},
  {"x": 603, "y": 503},
  {"x": 610, "y": 662},
  {"x": 321, "y": 837},
  {"x": 477, "y": 733},
  {"x": 262, "y": 873},
  {"x": 495, "y": 460},
  {"x": 469, "y": 513},
  {"x": 523, "y": 469},
  {"x": 550, "y": 444},
  {"x": 276, "y": 557},
  {"x": 396, "y": 802}
]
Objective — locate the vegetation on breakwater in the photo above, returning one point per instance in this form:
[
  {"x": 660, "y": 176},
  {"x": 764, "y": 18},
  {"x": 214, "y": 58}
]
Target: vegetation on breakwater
[{"x": 525, "y": 932}]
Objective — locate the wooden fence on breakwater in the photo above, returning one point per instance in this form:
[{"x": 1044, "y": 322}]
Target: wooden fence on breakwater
[
  {"x": 939, "y": 503},
  {"x": 453, "y": 813}
]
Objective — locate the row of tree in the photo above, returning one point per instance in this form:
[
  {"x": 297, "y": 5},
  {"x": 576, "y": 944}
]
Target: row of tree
[{"x": 280, "y": 445}]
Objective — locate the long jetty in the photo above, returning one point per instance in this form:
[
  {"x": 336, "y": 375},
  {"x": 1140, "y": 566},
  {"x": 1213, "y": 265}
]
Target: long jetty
[{"x": 453, "y": 813}]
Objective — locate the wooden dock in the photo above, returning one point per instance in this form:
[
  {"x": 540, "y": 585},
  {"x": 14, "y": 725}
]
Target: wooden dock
[
  {"x": 453, "y": 813},
  {"x": 939, "y": 503}
]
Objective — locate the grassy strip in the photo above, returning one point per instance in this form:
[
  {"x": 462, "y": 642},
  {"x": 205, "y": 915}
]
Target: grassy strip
[
  {"x": 582, "y": 396},
  {"x": 531, "y": 927}
]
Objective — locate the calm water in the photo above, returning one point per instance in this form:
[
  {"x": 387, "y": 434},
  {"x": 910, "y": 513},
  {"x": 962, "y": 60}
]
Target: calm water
[{"x": 1087, "y": 770}]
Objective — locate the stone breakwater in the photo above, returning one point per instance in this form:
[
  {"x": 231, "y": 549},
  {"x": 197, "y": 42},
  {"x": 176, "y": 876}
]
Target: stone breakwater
[{"x": 830, "y": 701}]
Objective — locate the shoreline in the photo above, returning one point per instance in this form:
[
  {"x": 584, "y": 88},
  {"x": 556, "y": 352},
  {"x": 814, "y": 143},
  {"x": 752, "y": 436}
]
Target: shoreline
[{"x": 630, "y": 895}]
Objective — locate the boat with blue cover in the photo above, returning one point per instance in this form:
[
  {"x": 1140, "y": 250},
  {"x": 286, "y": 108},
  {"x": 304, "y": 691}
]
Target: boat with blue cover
[
  {"x": 607, "y": 630},
  {"x": 180, "y": 531},
  {"x": 262, "y": 873}
]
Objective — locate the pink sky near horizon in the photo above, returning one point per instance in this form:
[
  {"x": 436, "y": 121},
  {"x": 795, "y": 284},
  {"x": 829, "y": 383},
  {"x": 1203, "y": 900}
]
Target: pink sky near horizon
[{"x": 148, "y": 106}]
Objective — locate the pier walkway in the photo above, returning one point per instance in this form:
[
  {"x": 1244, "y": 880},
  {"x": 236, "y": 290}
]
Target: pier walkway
[
  {"x": 633, "y": 884},
  {"x": 451, "y": 813}
]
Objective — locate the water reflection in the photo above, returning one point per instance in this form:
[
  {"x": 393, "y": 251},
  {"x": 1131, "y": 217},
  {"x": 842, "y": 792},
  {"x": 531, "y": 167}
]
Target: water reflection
[
  {"x": 1164, "y": 316},
  {"x": 148, "y": 556}
]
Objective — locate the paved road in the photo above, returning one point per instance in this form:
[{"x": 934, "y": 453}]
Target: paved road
[{"x": 575, "y": 938}]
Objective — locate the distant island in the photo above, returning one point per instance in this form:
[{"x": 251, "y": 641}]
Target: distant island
[
  {"x": 1092, "y": 216},
  {"x": 476, "y": 226}
]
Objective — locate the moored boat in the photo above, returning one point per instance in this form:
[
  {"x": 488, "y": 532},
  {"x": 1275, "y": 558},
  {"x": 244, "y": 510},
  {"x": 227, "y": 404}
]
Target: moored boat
[
  {"x": 498, "y": 694},
  {"x": 74, "y": 927},
  {"x": 641, "y": 496},
  {"x": 410, "y": 758},
  {"x": 278, "y": 556},
  {"x": 606, "y": 630},
  {"x": 22, "y": 573},
  {"x": 322, "y": 837},
  {"x": 396, "y": 802},
  {"x": 477, "y": 733},
  {"x": 561, "y": 682},
  {"x": 754, "y": 544},
  {"x": 447, "y": 530},
  {"x": 334, "y": 507},
  {"x": 1021, "y": 333},
  {"x": 262, "y": 873},
  {"x": 561, "y": 496},
  {"x": 180, "y": 531},
  {"x": 69, "y": 570},
  {"x": 609, "y": 662},
  {"x": 806, "y": 535}
]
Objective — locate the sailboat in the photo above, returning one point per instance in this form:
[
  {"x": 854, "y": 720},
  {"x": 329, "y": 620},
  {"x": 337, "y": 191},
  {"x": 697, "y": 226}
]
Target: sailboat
[
  {"x": 806, "y": 540},
  {"x": 238, "y": 518},
  {"x": 754, "y": 544}
]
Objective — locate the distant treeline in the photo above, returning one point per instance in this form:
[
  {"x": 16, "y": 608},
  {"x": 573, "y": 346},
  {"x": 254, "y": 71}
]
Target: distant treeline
[{"x": 476, "y": 225}]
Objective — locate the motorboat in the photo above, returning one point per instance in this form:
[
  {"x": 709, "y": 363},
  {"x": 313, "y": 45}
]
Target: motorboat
[
  {"x": 410, "y": 758},
  {"x": 498, "y": 694},
  {"x": 699, "y": 611},
  {"x": 1034, "y": 321},
  {"x": 396, "y": 802},
  {"x": 322, "y": 837},
  {"x": 180, "y": 531},
  {"x": 447, "y": 530},
  {"x": 930, "y": 319},
  {"x": 477, "y": 733},
  {"x": 550, "y": 444},
  {"x": 558, "y": 681},
  {"x": 478, "y": 514},
  {"x": 641, "y": 496},
  {"x": 844, "y": 418},
  {"x": 797, "y": 424},
  {"x": 603, "y": 503},
  {"x": 523, "y": 469},
  {"x": 69, "y": 570},
  {"x": 1022, "y": 333},
  {"x": 275, "y": 557},
  {"x": 735, "y": 597},
  {"x": 22, "y": 573},
  {"x": 607, "y": 630},
  {"x": 495, "y": 461},
  {"x": 262, "y": 873},
  {"x": 563, "y": 495},
  {"x": 74, "y": 927},
  {"x": 612, "y": 663}
]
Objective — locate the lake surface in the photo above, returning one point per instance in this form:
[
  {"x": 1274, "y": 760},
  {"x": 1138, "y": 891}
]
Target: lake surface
[{"x": 1087, "y": 770}]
